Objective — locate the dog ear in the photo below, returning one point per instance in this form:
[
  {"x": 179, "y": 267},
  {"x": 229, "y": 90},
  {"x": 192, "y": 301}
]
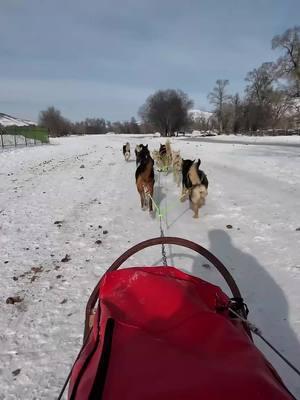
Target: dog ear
[{"x": 198, "y": 163}]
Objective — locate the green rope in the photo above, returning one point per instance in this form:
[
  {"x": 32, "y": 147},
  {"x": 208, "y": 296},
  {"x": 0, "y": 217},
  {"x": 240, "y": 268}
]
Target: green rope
[
  {"x": 162, "y": 212},
  {"x": 157, "y": 208}
]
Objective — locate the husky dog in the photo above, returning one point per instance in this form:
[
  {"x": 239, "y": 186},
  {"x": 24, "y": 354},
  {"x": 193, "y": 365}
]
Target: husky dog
[
  {"x": 141, "y": 151},
  {"x": 163, "y": 157},
  {"x": 157, "y": 159},
  {"x": 144, "y": 178},
  {"x": 126, "y": 151},
  {"x": 168, "y": 152},
  {"x": 186, "y": 184},
  {"x": 177, "y": 165},
  {"x": 195, "y": 183}
]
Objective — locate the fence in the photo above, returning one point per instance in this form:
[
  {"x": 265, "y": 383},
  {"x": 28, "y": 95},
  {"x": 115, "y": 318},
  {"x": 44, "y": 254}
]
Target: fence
[{"x": 23, "y": 136}]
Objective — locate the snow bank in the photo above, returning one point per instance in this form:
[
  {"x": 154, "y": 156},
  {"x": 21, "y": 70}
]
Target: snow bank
[
  {"x": 196, "y": 133},
  {"x": 7, "y": 120},
  {"x": 260, "y": 139}
]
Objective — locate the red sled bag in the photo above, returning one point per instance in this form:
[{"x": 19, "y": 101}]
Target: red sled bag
[{"x": 161, "y": 334}]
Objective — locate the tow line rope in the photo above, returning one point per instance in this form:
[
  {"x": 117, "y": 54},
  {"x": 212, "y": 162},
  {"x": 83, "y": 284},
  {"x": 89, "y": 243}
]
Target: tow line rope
[
  {"x": 258, "y": 333},
  {"x": 161, "y": 216}
]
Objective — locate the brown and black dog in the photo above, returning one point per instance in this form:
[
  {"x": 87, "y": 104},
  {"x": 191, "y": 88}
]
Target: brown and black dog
[{"x": 144, "y": 178}]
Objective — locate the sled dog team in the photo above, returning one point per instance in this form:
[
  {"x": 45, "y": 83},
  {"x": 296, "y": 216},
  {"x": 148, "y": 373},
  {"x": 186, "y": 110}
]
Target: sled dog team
[{"x": 194, "y": 180}]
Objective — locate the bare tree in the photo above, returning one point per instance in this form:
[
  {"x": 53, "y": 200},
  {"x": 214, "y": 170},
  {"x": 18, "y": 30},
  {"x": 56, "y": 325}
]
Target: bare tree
[
  {"x": 237, "y": 113},
  {"x": 56, "y": 124},
  {"x": 167, "y": 111},
  {"x": 94, "y": 126},
  {"x": 218, "y": 98},
  {"x": 134, "y": 126},
  {"x": 260, "y": 83},
  {"x": 289, "y": 63},
  {"x": 281, "y": 107},
  {"x": 109, "y": 126},
  {"x": 267, "y": 102},
  {"x": 259, "y": 95},
  {"x": 118, "y": 127}
]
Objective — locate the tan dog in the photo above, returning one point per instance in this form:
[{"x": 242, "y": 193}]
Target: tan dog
[
  {"x": 198, "y": 189},
  {"x": 160, "y": 158},
  {"x": 157, "y": 159},
  {"x": 163, "y": 157},
  {"x": 169, "y": 152},
  {"x": 177, "y": 165}
]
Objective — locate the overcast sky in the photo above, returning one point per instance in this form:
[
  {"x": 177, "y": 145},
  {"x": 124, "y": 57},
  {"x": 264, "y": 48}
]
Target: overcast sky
[{"x": 102, "y": 58}]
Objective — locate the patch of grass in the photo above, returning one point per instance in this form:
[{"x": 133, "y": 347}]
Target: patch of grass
[{"x": 30, "y": 132}]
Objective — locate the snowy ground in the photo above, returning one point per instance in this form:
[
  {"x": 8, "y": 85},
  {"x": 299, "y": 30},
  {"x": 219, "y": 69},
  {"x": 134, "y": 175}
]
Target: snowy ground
[
  {"x": 256, "y": 189},
  {"x": 281, "y": 141}
]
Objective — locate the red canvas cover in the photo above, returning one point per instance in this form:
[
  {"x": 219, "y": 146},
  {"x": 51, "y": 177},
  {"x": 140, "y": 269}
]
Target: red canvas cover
[{"x": 158, "y": 334}]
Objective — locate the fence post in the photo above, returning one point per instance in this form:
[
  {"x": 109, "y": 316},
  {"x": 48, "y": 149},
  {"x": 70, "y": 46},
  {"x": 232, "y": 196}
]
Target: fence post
[
  {"x": 15, "y": 138},
  {"x": 25, "y": 140},
  {"x": 2, "y": 144}
]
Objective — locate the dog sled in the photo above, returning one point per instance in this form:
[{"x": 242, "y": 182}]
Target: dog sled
[{"x": 160, "y": 333}]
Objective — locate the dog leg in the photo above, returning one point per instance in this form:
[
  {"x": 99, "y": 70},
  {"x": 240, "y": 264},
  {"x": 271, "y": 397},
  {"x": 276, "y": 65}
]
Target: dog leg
[
  {"x": 183, "y": 194},
  {"x": 196, "y": 211},
  {"x": 150, "y": 200},
  {"x": 142, "y": 200},
  {"x": 146, "y": 202},
  {"x": 150, "y": 205},
  {"x": 178, "y": 180}
]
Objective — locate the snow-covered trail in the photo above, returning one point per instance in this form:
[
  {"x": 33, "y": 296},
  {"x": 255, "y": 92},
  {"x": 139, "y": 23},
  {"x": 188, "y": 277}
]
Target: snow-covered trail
[
  {"x": 257, "y": 191},
  {"x": 253, "y": 188},
  {"x": 39, "y": 187}
]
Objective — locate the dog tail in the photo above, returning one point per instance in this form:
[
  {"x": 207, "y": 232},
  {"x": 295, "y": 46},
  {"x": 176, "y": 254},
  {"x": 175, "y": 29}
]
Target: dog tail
[{"x": 198, "y": 195}]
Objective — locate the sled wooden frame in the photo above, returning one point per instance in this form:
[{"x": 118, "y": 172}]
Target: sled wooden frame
[{"x": 154, "y": 242}]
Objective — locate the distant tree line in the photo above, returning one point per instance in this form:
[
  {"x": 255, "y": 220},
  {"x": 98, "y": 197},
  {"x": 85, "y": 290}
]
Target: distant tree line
[
  {"x": 165, "y": 111},
  {"x": 58, "y": 125},
  {"x": 271, "y": 100},
  {"x": 272, "y": 94}
]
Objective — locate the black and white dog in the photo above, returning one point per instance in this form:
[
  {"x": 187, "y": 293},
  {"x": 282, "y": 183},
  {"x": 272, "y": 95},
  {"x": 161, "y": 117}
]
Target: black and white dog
[
  {"x": 126, "y": 151},
  {"x": 141, "y": 152}
]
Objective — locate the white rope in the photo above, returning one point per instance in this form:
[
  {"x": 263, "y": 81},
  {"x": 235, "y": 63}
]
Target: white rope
[
  {"x": 258, "y": 332},
  {"x": 163, "y": 249}
]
